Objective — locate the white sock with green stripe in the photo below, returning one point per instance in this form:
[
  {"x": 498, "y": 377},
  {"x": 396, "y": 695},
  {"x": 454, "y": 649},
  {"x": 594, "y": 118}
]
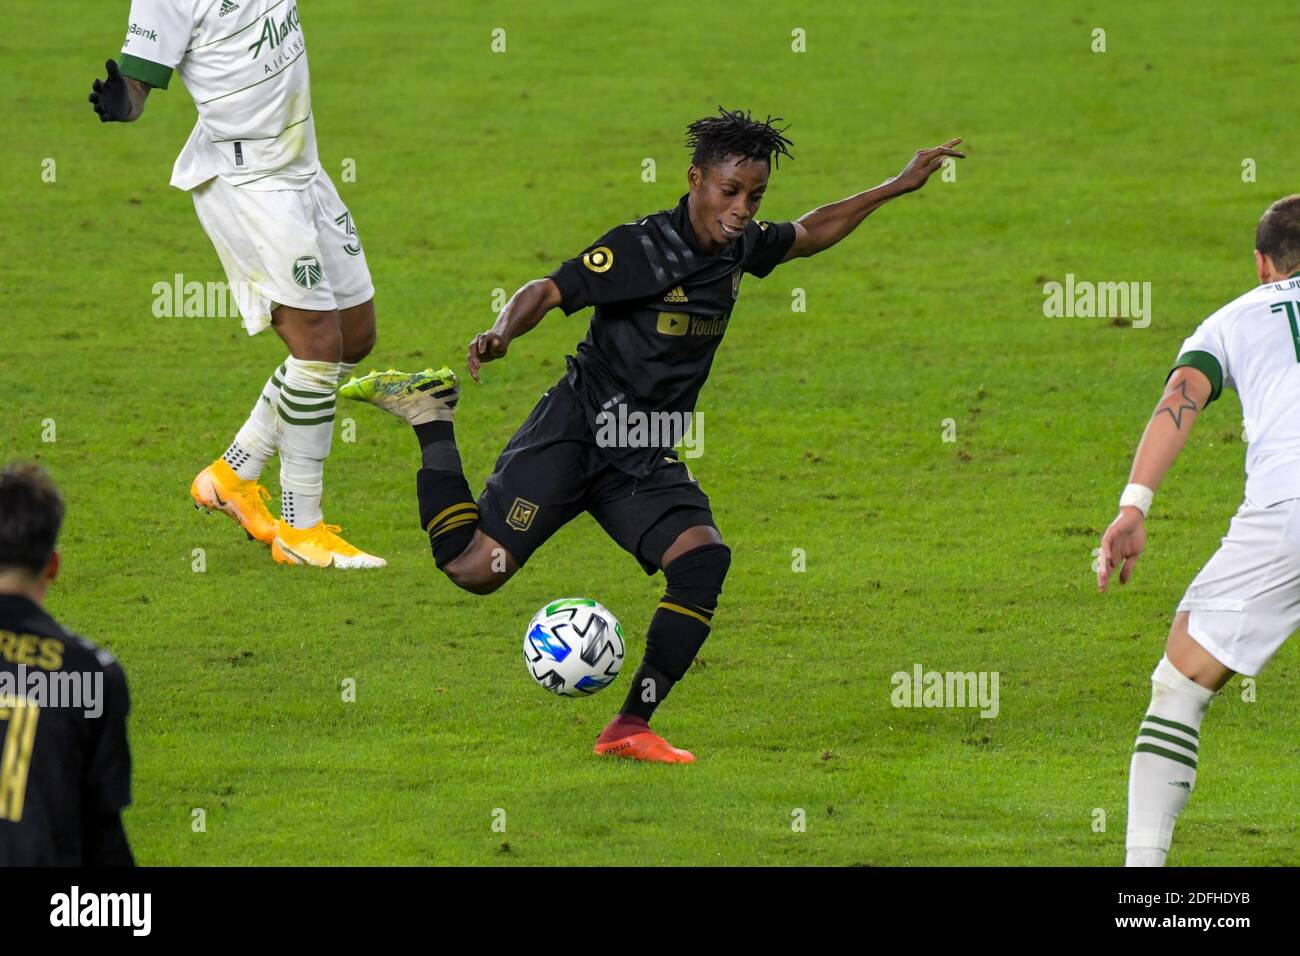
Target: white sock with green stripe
[
  {"x": 347, "y": 370},
  {"x": 258, "y": 438},
  {"x": 306, "y": 410},
  {"x": 1163, "y": 770}
]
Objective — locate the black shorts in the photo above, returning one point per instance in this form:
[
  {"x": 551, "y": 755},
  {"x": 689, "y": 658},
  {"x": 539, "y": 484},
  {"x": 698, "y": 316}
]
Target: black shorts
[{"x": 552, "y": 470}]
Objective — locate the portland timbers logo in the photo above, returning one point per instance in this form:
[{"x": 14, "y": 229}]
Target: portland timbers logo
[{"x": 307, "y": 271}]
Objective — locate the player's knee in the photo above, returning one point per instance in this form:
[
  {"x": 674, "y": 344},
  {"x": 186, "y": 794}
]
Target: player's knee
[
  {"x": 316, "y": 336},
  {"x": 475, "y": 576},
  {"x": 697, "y": 575},
  {"x": 359, "y": 332},
  {"x": 356, "y": 350}
]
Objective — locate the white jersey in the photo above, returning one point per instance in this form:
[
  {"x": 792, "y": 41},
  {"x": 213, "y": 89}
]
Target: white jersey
[
  {"x": 245, "y": 64},
  {"x": 1252, "y": 345}
]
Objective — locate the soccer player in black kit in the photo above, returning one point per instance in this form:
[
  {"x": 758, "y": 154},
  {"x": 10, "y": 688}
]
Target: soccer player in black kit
[
  {"x": 65, "y": 770},
  {"x": 663, "y": 288}
]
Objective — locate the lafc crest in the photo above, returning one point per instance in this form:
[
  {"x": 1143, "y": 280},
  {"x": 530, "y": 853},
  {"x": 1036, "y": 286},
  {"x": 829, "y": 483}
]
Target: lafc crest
[{"x": 521, "y": 515}]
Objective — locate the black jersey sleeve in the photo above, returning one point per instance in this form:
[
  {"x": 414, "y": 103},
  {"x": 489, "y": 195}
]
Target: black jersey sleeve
[
  {"x": 104, "y": 842},
  {"x": 617, "y": 267},
  {"x": 767, "y": 244},
  {"x": 106, "y": 786}
]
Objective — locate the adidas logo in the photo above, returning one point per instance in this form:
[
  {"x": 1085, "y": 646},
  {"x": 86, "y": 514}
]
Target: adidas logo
[
  {"x": 676, "y": 295},
  {"x": 227, "y": 7}
]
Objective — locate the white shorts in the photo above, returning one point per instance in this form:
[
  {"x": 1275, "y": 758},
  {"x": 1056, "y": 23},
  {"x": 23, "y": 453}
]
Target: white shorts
[
  {"x": 1245, "y": 602},
  {"x": 295, "y": 247}
]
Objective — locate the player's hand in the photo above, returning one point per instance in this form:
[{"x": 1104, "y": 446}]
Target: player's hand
[
  {"x": 110, "y": 98},
  {"x": 485, "y": 347},
  {"x": 924, "y": 163},
  {"x": 1122, "y": 544}
]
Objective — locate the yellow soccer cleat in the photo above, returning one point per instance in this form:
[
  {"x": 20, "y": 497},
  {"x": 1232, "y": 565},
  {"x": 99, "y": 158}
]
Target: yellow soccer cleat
[
  {"x": 414, "y": 397},
  {"x": 218, "y": 488},
  {"x": 319, "y": 546}
]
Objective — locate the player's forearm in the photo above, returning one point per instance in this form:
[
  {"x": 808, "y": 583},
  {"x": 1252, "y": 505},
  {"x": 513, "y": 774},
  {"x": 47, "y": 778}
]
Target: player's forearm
[
  {"x": 137, "y": 93},
  {"x": 827, "y": 225},
  {"x": 1166, "y": 433},
  {"x": 526, "y": 308}
]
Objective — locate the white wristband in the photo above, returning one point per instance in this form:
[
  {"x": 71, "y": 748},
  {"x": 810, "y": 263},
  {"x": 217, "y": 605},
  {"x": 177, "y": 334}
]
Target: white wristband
[{"x": 1139, "y": 497}]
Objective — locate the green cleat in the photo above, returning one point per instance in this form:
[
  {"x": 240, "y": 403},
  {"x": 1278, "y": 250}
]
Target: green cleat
[{"x": 414, "y": 397}]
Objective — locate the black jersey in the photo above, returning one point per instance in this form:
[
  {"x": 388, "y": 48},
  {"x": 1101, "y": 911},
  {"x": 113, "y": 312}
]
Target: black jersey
[
  {"x": 65, "y": 769},
  {"x": 662, "y": 307}
]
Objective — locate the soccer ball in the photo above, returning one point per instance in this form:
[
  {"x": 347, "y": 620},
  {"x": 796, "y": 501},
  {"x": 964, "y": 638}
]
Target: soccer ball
[{"x": 573, "y": 647}]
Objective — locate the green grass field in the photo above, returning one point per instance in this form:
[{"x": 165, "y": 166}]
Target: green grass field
[{"x": 477, "y": 171}]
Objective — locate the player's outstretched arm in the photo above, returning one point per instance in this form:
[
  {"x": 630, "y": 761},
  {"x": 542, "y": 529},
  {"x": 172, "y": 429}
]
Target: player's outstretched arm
[
  {"x": 826, "y": 225},
  {"x": 1186, "y": 393},
  {"x": 118, "y": 98},
  {"x": 525, "y": 309}
]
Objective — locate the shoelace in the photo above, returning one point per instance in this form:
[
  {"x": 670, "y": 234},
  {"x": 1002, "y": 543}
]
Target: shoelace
[
  {"x": 261, "y": 493},
  {"x": 328, "y": 531}
]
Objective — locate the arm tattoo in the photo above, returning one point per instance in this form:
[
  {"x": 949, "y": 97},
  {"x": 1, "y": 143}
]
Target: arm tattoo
[{"x": 1177, "y": 414}]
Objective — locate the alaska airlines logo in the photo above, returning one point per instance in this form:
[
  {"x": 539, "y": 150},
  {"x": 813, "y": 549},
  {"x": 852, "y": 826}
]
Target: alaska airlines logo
[{"x": 274, "y": 33}]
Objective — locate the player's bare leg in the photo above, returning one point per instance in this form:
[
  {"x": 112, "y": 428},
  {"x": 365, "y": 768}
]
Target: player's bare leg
[
  {"x": 1163, "y": 770},
  {"x": 695, "y": 565},
  {"x": 1192, "y": 660},
  {"x": 357, "y": 327},
  {"x": 483, "y": 567},
  {"x": 230, "y": 484}
]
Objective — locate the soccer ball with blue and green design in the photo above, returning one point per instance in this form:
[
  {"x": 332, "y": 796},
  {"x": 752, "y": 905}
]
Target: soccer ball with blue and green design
[{"x": 574, "y": 647}]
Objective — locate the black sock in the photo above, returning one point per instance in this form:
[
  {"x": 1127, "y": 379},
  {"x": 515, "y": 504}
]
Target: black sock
[
  {"x": 438, "y": 446},
  {"x": 677, "y": 632},
  {"x": 447, "y": 509},
  {"x": 649, "y": 687}
]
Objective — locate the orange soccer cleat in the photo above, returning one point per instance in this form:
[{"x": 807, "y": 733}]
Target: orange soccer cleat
[
  {"x": 643, "y": 745},
  {"x": 218, "y": 488},
  {"x": 319, "y": 546}
]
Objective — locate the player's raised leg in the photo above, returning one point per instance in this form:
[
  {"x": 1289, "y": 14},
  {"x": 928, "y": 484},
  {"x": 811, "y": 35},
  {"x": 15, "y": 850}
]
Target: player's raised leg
[
  {"x": 695, "y": 566},
  {"x": 306, "y": 428},
  {"x": 1162, "y": 772},
  {"x": 426, "y": 401}
]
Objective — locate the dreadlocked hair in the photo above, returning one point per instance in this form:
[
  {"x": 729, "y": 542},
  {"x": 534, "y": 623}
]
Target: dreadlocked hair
[{"x": 733, "y": 133}]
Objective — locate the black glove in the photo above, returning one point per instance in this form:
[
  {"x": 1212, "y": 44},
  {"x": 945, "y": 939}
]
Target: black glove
[{"x": 110, "y": 97}]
